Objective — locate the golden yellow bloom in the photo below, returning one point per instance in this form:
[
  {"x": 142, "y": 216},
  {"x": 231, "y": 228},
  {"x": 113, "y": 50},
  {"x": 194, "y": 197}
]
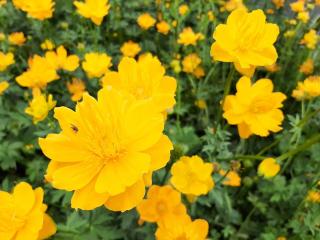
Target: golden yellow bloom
[
  {"x": 95, "y": 10},
  {"x": 146, "y": 21},
  {"x": 161, "y": 202},
  {"x": 6, "y": 60},
  {"x": 313, "y": 196},
  {"x": 96, "y": 64},
  {"x": 144, "y": 79},
  {"x": 191, "y": 62},
  {"x": 308, "y": 89},
  {"x": 22, "y": 214},
  {"x": 76, "y": 88},
  {"x": 198, "y": 72},
  {"x": 35, "y": 8},
  {"x": 232, "y": 178},
  {"x": 106, "y": 148},
  {"x": 200, "y": 103},
  {"x": 278, "y": 3},
  {"x": 130, "y": 49},
  {"x": 163, "y": 27},
  {"x": 39, "y": 74},
  {"x": 272, "y": 68},
  {"x": 182, "y": 228},
  {"x": 3, "y": 86},
  {"x": 188, "y": 37},
  {"x": 303, "y": 16},
  {"x": 40, "y": 106},
  {"x": 17, "y": 38},
  {"x": 310, "y": 39},
  {"x": 307, "y": 66},
  {"x": 234, "y": 4},
  {"x": 297, "y": 6},
  {"x": 183, "y": 9},
  {"x": 61, "y": 60},
  {"x": 3, "y": 2},
  {"x": 268, "y": 168},
  {"x": 254, "y": 108},
  {"x": 251, "y": 44},
  {"x": 191, "y": 175},
  {"x": 47, "y": 45},
  {"x": 175, "y": 65}
]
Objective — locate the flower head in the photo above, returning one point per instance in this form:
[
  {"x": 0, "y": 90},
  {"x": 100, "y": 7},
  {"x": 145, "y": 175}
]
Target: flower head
[
  {"x": 76, "y": 88},
  {"x": 234, "y": 4},
  {"x": 6, "y": 59},
  {"x": 96, "y": 64},
  {"x": 144, "y": 79},
  {"x": 106, "y": 148},
  {"x": 303, "y": 16},
  {"x": 146, "y": 21},
  {"x": 191, "y": 62},
  {"x": 61, "y": 60},
  {"x": 3, "y": 86},
  {"x": 47, "y": 45},
  {"x": 313, "y": 196},
  {"x": 232, "y": 178},
  {"x": 310, "y": 39},
  {"x": 307, "y": 66},
  {"x": 278, "y": 3},
  {"x": 297, "y": 6},
  {"x": 191, "y": 175},
  {"x": 17, "y": 38},
  {"x": 130, "y": 49},
  {"x": 183, "y": 9},
  {"x": 163, "y": 27},
  {"x": 188, "y": 37},
  {"x": 22, "y": 214},
  {"x": 308, "y": 89},
  {"x": 255, "y": 109},
  {"x": 246, "y": 39},
  {"x": 38, "y": 9},
  {"x": 268, "y": 168},
  {"x": 95, "y": 10}
]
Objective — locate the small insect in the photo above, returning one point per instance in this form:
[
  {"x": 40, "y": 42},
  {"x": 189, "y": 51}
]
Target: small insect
[{"x": 74, "y": 128}]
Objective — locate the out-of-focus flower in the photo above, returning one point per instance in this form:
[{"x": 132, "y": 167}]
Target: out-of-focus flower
[
  {"x": 22, "y": 214},
  {"x": 76, "y": 88},
  {"x": 211, "y": 15},
  {"x": 17, "y": 38},
  {"x": 39, "y": 74},
  {"x": 6, "y": 59},
  {"x": 146, "y": 21},
  {"x": 191, "y": 62},
  {"x": 308, "y": 89},
  {"x": 317, "y": 2},
  {"x": 40, "y": 106},
  {"x": 278, "y": 3},
  {"x": 95, "y": 10},
  {"x": 175, "y": 65},
  {"x": 161, "y": 202},
  {"x": 3, "y": 2},
  {"x": 188, "y": 37},
  {"x": 96, "y": 64},
  {"x": 37, "y": 9},
  {"x": 61, "y": 60},
  {"x": 289, "y": 34},
  {"x": 3, "y": 86},
  {"x": 163, "y": 27},
  {"x": 199, "y": 72},
  {"x": 310, "y": 39},
  {"x": 313, "y": 196},
  {"x": 297, "y": 6},
  {"x": 251, "y": 45},
  {"x": 255, "y": 108},
  {"x": 272, "y": 68},
  {"x": 200, "y": 103},
  {"x": 232, "y": 178},
  {"x": 307, "y": 66},
  {"x": 47, "y": 45},
  {"x": 130, "y": 49},
  {"x": 183, "y": 9},
  {"x": 144, "y": 79},
  {"x": 231, "y": 5},
  {"x": 2, "y": 36},
  {"x": 268, "y": 168},
  {"x": 303, "y": 16}
]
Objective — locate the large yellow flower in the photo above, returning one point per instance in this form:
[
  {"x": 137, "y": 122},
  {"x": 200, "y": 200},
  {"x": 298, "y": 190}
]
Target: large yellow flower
[
  {"x": 39, "y": 74},
  {"x": 190, "y": 175},
  {"x": 106, "y": 147},
  {"x": 38, "y": 9},
  {"x": 96, "y": 64},
  {"x": 6, "y": 59},
  {"x": 161, "y": 202},
  {"x": 144, "y": 79},
  {"x": 95, "y": 10},
  {"x": 61, "y": 60},
  {"x": 22, "y": 214},
  {"x": 254, "y": 108},
  {"x": 246, "y": 39}
]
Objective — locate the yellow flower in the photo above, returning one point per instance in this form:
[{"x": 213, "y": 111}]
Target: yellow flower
[
  {"x": 106, "y": 147},
  {"x": 40, "y": 106},
  {"x": 3, "y": 2},
  {"x": 308, "y": 89},
  {"x": 313, "y": 196},
  {"x": 36, "y": 9},
  {"x": 61, "y": 60},
  {"x": 211, "y": 16},
  {"x": 297, "y": 6},
  {"x": 317, "y": 2},
  {"x": 39, "y": 74},
  {"x": 182, "y": 228},
  {"x": 268, "y": 168},
  {"x": 161, "y": 202},
  {"x": 310, "y": 39},
  {"x": 76, "y": 88},
  {"x": 130, "y": 49},
  {"x": 307, "y": 67},
  {"x": 191, "y": 62},
  {"x": 303, "y": 16},
  {"x": 146, "y": 21},
  {"x": 188, "y": 37},
  {"x": 232, "y": 178},
  {"x": 22, "y": 214},
  {"x": 96, "y": 64},
  {"x": 199, "y": 72},
  {"x": 254, "y": 108},
  {"x": 47, "y": 45},
  {"x": 200, "y": 103},
  {"x": 234, "y": 4},
  {"x": 95, "y": 10},
  {"x": 246, "y": 38},
  {"x": 163, "y": 27},
  {"x": 3, "y": 86},
  {"x": 191, "y": 175},
  {"x": 175, "y": 65},
  {"x": 2, "y": 36},
  {"x": 183, "y": 9},
  {"x": 278, "y": 3},
  {"x": 17, "y": 38},
  {"x": 6, "y": 60},
  {"x": 144, "y": 79}
]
